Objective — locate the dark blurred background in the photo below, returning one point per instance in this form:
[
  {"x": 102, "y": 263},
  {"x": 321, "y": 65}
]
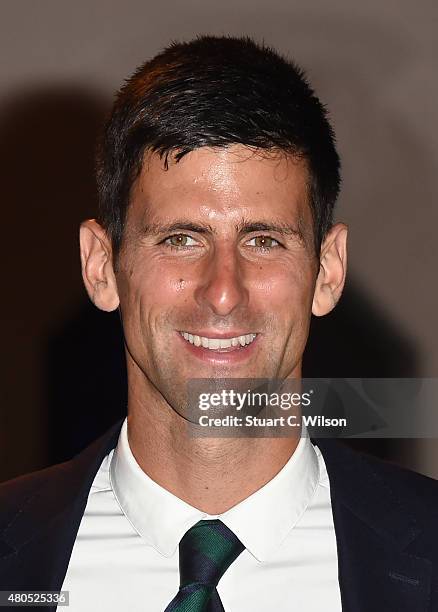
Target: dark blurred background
[{"x": 375, "y": 67}]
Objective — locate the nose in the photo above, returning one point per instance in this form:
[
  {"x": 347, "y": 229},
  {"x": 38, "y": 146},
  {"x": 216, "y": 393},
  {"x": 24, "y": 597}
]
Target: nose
[{"x": 221, "y": 285}]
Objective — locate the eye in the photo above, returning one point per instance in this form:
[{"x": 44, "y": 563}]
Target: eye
[
  {"x": 264, "y": 242},
  {"x": 179, "y": 241}
]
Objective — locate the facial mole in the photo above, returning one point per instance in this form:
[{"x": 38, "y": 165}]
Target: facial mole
[{"x": 180, "y": 283}]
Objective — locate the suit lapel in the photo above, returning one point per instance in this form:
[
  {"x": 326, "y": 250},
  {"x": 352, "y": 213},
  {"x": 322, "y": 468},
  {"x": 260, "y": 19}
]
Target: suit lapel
[{"x": 374, "y": 529}]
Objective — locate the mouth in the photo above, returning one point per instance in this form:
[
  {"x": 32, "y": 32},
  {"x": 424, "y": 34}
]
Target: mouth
[
  {"x": 216, "y": 348},
  {"x": 217, "y": 344}
]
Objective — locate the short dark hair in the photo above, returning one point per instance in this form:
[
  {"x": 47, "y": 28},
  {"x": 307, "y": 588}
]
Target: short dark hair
[{"x": 215, "y": 92}]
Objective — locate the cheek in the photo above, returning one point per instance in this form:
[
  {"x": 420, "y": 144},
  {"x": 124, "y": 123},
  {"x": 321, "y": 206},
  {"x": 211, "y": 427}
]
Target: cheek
[
  {"x": 147, "y": 297},
  {"x": 149, "y": 283},
  {"x": 286, "y": 289}
]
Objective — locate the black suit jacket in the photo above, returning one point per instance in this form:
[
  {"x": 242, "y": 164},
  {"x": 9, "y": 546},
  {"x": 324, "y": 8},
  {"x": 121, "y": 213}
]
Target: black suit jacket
[{"x": 385, "y": 517}]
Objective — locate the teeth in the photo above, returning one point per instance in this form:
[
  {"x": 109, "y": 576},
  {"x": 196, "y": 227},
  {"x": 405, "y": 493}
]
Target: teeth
[{"x": 218, "y": 343}]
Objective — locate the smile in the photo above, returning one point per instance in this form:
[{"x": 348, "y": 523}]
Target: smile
[{"x": 218, "y": 343}]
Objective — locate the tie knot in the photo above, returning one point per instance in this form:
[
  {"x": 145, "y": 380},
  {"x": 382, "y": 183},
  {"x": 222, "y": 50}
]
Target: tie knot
[{"x": 206, "y": 551}]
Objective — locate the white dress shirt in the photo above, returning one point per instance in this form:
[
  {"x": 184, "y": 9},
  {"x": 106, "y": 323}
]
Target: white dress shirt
[{"x": 125, "y": 556}]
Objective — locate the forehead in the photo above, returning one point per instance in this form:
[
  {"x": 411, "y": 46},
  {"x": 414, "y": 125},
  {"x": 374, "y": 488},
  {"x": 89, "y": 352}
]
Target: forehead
[{"x": 221, "y": 185}]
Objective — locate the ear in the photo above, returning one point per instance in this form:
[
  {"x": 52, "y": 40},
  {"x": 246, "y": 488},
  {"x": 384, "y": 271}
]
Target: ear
[
  {"x": 332, "y": 269},
  {"x": 97, "y": 267}
]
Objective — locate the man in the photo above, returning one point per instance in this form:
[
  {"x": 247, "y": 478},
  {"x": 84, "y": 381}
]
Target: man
[{"x": 217, "y": 176}]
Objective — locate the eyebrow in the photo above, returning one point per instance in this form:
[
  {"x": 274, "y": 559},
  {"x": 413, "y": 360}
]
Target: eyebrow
[{"x": 242, "y": 228}]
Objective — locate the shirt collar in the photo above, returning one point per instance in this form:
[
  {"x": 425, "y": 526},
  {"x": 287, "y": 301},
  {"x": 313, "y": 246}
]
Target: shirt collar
[{"x": 261, "y": 521}]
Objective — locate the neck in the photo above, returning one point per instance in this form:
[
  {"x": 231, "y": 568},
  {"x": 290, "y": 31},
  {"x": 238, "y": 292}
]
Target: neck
[{"x": 211, "y": 474}]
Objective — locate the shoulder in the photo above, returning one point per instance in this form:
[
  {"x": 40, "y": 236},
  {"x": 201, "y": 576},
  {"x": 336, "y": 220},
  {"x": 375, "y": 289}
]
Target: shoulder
[
  {"x": 416, "y": 490},
  {"x": 17, "y": 493},
  {"x": 46, "y": 492},
  {"x": 357, "y": 473}
]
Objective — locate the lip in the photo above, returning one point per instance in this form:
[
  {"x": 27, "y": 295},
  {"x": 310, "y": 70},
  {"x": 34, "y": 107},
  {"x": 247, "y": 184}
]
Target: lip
[{"x": 225, "y": 356}]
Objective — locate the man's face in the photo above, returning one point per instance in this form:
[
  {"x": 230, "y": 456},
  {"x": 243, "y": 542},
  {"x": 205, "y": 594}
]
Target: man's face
[{"x": 220, "y": 247}]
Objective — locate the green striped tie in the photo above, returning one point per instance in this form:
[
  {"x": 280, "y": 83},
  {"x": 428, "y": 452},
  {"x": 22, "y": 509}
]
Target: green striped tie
[{"x": 205, "y": 553}]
